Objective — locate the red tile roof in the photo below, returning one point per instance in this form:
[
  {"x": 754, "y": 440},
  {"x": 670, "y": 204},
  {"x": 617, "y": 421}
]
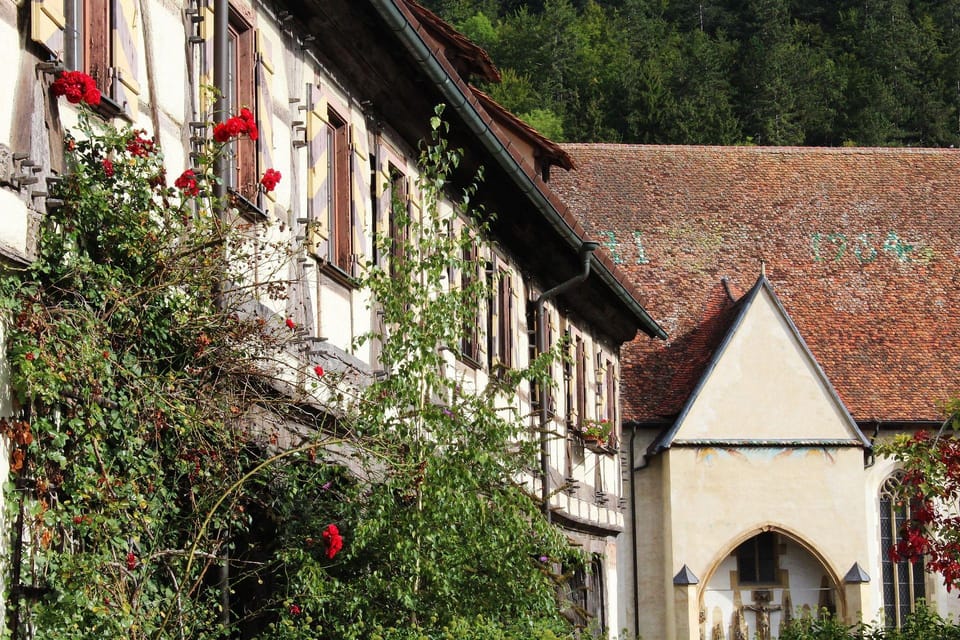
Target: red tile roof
[{"x": 862, "y": 246}]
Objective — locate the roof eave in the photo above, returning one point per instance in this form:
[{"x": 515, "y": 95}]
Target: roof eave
[{"x": 459, "y": 96}]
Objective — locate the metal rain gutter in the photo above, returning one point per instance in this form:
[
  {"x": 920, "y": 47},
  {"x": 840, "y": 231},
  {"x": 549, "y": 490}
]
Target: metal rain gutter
[{"x": 421, "y": 53}]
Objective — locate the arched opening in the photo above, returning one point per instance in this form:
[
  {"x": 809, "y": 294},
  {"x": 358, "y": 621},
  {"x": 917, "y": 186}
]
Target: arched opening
[{"x": 767, "y": 578}]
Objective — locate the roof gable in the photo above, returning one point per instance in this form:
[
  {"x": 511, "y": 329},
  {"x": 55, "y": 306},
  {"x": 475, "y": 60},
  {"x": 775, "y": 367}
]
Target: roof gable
[{"x": 763, "y": 386}]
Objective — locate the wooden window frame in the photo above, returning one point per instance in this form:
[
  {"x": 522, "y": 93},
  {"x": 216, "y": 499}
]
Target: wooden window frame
[
  {"x": 500, "y": 317},
  {"x": 242, "y": 153},
  {"x": 88, "y": 47},
  {"x": 339, "y": 213},
  {"x": 580, "y": 380},
  {"x": 468, "y": 277}
]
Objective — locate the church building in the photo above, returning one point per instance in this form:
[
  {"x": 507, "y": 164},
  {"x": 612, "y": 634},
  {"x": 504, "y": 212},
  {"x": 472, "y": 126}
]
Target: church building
[{"x": 810, "y": 300}]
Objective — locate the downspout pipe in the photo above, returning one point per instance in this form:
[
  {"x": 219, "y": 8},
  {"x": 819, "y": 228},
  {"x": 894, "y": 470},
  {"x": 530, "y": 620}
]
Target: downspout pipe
[
  {"x": 586, "y": 251},
  {"x": 633, "y": 532},
  {"x": 456, "y": 98},
  {"x": 221, "y": 71}
]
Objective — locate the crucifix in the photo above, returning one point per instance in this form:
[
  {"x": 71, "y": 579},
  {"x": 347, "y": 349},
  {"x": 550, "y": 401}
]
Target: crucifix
[{"x": 762, "y": 607}]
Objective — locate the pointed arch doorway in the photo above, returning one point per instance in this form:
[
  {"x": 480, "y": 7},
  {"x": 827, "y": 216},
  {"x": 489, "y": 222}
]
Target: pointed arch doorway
[{"x": 763, "y": 580}]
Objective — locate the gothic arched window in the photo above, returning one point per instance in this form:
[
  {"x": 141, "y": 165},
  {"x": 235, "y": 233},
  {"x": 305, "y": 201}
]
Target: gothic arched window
[{"x": 903, "y": 582}]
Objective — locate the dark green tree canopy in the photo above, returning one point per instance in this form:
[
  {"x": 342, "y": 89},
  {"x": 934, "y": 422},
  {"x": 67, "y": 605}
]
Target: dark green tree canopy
[{"x": 772, "y": 72}]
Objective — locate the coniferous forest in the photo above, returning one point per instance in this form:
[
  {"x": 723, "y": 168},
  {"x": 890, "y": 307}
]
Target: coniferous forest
[{"x": 766, "y": 72}]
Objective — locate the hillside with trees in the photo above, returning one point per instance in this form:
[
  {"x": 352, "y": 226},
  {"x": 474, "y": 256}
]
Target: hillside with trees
[{"x": 767, "y": 72}]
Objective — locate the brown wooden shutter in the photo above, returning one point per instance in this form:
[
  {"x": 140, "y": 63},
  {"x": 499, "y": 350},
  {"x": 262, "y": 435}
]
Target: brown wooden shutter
[
  {"x": 342, "y": 234},
  {"x": 581, "y": 382},
  {"x": 97, "y": 37},
  {"x": 505, "y": 342}
]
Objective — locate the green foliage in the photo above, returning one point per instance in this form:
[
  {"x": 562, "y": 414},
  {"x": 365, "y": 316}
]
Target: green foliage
[
  {"x": 448, "y": 543},
  {"x": 133, "y": 371},
  {"x": 168, "y": 442},
  {"x": 546, "y": 122},
  {"x": 922, "y": 624},
  {"x": 683, "y": 72}
]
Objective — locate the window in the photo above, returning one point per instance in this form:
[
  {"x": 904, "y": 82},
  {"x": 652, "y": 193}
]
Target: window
[
  {"x": 470, "y": 339},
  {"x": 399, "y": 219},
  {"x": 238, "y": 92},
  {"x": 757, "y": 560},
  {"x": 580, "y": 381},
  {"x": 585, "y": 593},
  {"x": 330, "y": 186},
  {"x": 98, "y": 37},
  {"x": 610, "y": 400},
  {"x": 499, "y": 318},
  {"x": 903, "y": 582},
  {"x": 340, "y": 248}
]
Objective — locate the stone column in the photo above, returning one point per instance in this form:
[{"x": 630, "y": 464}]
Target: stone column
[{"x": 686, "y": 605}]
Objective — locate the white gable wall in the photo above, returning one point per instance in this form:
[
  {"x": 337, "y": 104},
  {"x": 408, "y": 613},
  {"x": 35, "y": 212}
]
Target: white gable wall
[{"x": 764, "y": 387}]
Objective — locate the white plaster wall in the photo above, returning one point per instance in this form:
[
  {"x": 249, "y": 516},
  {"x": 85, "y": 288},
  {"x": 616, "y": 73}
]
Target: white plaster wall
[
  {"x": 10, "y": 54},
  {"x": 718, "y": 498},
  {"x": 652, "y": 550},
  {"x": 762, "y": 378}
]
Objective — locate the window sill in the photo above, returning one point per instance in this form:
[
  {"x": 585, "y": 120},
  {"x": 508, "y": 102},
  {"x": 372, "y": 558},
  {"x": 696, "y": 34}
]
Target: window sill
[
  {"x": 337, "y": 274},
  {"x": 247, "y": 208},
  {"x": 599, "y": 447},
  {"x": 471, "y": 362}
]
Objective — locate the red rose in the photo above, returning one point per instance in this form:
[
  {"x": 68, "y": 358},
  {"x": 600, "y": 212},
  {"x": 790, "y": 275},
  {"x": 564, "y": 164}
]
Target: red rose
[
  {"x": 140, "y": 146},
  {"x": 77, "y": 87},
  {"x": 131, "y": 561},
  {"x": 108, "y": 167},
  {"x": 270, "y": 179},
  {"x": 187, "y": 182},
  {"x": 295, "y": 610},
  {"x": 250, "y": 123},
  {"x": 318, "y": 370},
  {"x": 236, "y": 126},
  {"x": 29, "y": 355},
  {"x": 334, "y": 540},
  {"x": 291, "y": 324}
]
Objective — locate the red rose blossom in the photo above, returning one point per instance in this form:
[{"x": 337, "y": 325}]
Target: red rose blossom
[
  {"x": 236, "y": 126},
  {"x": 139, "y": 145},
  {"x": 221, "y": 133},
  {"x": 333, "y": 539},
  {"x": 131, "y": 561},
  {"x": 108, "y": 167},
  {"x": 270, "y": 179},
  {"x": 77, "y": 87},
  {"x": 187, "y": 182},
  {"x": 318, "y": 370},
  {"x": 295, "y": 610},
  {"x": 29, "y": 355},
  {"x": 291, "y": 324}
]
